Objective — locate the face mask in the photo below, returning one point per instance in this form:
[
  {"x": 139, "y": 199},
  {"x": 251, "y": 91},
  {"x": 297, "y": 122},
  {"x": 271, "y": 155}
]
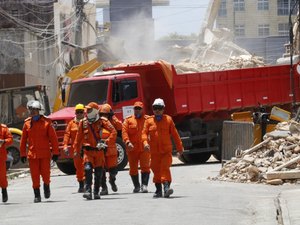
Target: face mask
[
  {"x": 93, "y": 116},
  {"x": 158, "y": 117},
  {"x": 138, "y": 115},
  {"x": 36, "y": 117}
]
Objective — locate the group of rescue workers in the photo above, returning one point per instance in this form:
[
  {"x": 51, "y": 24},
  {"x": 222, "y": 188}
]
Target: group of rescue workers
[{"x": 91, "y": 139}]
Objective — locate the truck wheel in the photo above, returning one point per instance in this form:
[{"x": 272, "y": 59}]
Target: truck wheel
[
  {"x": 122, "y": 156},
  {"x": 66, "y": 167},
  {"x": 15, "y": 153},
  {"x": 195, "y": 158},
  {"x": 14, "y": 149}
]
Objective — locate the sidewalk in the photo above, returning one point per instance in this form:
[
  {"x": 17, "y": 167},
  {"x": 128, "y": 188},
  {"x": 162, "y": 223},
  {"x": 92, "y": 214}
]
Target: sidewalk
[{"x": 290, "y": 206}]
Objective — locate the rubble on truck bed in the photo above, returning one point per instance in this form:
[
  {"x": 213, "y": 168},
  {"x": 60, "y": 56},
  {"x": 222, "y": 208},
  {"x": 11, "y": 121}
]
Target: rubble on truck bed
[
  {"x": 273, "y": 161},
  {"x": 235, "y": 62}
]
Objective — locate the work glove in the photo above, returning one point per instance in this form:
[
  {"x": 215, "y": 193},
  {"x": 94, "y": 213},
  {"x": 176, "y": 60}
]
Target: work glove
[
  {"x": 101, "y": 146},
  {"x": 23, "y": 159},
  {"x": 179, "y": 154},
  {"x": 55, "y": 158},
  {"x": 66, "y": 151},
  {"x": 147, "y": 147},
  {"x": 130, "y": 146}
]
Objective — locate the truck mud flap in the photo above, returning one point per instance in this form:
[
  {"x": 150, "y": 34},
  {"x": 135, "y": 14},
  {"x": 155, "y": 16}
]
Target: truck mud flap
[{"x": 236, "y": 135}]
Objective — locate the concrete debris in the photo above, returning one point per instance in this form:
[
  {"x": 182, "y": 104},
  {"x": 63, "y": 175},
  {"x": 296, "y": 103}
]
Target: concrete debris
[
  {"x": 234, "y": 62},
  {"x": 275, "y": 162}
]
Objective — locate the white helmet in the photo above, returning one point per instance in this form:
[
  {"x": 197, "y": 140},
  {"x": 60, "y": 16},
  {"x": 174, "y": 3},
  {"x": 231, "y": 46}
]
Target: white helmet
[
  {"x": 158, "y": 102},
  {"x": 33, "y": 104}
]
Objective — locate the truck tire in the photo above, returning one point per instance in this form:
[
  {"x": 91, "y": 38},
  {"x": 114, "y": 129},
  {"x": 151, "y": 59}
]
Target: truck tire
[
  {"x": 122, "y": 156},
  {"x": 15, "y": 153},
  {"x": 196, "y": 158},
  {"x": 14, "y": 148},
  {"x": 66, "y": 167}
]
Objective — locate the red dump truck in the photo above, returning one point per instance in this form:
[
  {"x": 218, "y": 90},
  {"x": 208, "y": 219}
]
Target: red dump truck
[{"x": 198, "y": 102}]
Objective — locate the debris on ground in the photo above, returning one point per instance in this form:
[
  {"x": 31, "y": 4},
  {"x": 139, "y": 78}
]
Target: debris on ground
[{"x": 274, "y": 161}]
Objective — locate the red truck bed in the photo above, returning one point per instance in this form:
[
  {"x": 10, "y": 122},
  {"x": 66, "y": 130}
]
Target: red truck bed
[{"x": 217, "y": 90}]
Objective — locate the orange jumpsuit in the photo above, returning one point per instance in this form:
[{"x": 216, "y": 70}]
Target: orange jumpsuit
[
  {"x": 158, "y": 135},
  {"x": 111, "y": 156},
  {"x": 87, "y": 137},
  {"x": 42, "y": 140},
  {"x": 8, "y": 139},
  {"x": 86, "y": 140},
  {"x": 69, "y": 139},
  {"x": 132, "y": 132},
  {"x": 22, "y": 112}
]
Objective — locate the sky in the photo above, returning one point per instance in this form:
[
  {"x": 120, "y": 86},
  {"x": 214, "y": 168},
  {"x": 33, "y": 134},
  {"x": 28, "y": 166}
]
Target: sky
[{"x": 181, "y": 16}]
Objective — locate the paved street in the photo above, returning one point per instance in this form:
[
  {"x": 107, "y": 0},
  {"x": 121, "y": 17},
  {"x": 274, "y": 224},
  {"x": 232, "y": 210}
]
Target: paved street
[{"x": 196, "y": 200}]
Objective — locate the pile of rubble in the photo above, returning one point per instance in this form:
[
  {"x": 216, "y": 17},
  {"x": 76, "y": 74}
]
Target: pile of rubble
[
  {"x": 234, "y": 62},
  {"x": 273, "y": 161}
]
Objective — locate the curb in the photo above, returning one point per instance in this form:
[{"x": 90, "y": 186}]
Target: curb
[{"x": 16, "y": 174}]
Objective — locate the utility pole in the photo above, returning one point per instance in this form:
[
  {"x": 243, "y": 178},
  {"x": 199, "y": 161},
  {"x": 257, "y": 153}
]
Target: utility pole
[{"x": 78, "y": 32}]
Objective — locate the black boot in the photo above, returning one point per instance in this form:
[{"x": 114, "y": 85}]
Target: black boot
[
  {"x": 47, "y": 192},
  {"x": 4, "y": 195},
  {"x": 81, "y": 187},
  {"x": 104, "y": 189},
  {"x": 97, "y": 181},
  {"x": 136, "y": 183},
  {"x": 112, "y": 178},
  {"x": 158, "y": 192},
  {"x": 37, "y": 195},
  {"x": 88, "y": 181},
  {"x": 145, "y": 180},
  {"x": 167, "y": 190}
]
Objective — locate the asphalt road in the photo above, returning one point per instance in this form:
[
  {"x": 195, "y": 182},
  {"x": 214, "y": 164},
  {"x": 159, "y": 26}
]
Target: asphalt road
[{"x": 196, "y": 200}]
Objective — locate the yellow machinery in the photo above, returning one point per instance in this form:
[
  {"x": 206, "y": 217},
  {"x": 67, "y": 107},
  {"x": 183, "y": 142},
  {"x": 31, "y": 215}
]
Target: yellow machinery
[
  {"x": 77, "y": 72},
  {"x": 263, "y": 122}
]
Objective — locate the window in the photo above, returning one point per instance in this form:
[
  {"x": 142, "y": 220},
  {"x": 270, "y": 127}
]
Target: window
[
  {"x": 239, "y": 30},
  {"x": 222, "y": 10},
  {"x": 284, "y": 7},
  {"x": 283, "y": 29},
  {"x": 263, "y": 30},
  {"x": 124, "y": 90},
  {"x": 263, "y": 4},
  {"x": 15, "y": 13},
  {"x": 5, "y": 106},
  {"x": 88, "y": 91},
  {"x": 239, "y": 5}
]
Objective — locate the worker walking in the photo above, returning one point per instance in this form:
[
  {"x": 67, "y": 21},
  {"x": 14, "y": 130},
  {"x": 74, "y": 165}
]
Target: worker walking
[
  {"x": 88, "y": 139},
  {"x": 132, "y": 137},
  {"x": 111, "y": 153},
  {"x": 69, "y": 137},
  {"x": 39, "y": 134},
  {"x": 156, "y": 136},
  {"x": 6, "y": 139}
]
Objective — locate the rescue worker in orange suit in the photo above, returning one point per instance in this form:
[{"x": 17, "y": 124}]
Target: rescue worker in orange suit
[
  {"x": 21, "y": 110},
  {"x": 111, "y": 155},
  {"x": 132, "y": 137},
  {"x": 6, "y": 139},
  {"x": 39, "y": 135},
  {"x": 88, "y": 139},
  {"x": 156, "y": 136},
  {"x": 69, "y": 137}
]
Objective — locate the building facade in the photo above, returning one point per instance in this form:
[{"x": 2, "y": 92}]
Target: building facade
[{"x": 260, "y": 26}]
